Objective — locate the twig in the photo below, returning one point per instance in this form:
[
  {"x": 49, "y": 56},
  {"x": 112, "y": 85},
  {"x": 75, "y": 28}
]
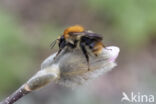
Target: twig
[{"x": 22, "y": 91}]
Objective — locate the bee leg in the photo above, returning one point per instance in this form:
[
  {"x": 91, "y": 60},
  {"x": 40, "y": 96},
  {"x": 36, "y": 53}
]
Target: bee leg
[
  {"x": 57, "y": 54},
  {"x": 73, "y": 45},
  {"x": 82, "y": 45},
  {"x": 62, "y": 44}
]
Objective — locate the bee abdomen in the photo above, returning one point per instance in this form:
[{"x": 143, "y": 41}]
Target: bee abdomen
[{"x": 98, "y": 48}]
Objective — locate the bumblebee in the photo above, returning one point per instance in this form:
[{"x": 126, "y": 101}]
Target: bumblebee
[{"x": 76, "y": 36}]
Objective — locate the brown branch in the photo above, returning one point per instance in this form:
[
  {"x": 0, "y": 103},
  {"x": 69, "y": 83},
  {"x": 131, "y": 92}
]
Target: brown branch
[{"x": 15, "y": 96}]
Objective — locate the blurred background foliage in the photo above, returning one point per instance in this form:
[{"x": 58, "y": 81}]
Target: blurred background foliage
[
  {"x": 27, "y": 27},
  {"x": 135, "y": 18}
]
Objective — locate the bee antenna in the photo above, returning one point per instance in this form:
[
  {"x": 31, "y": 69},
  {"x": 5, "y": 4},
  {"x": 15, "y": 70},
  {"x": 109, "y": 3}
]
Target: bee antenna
[{"x": 53, "y": 44}]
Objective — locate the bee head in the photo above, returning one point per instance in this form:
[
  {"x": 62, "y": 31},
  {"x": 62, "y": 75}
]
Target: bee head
[{"x": 72, "y": 29}]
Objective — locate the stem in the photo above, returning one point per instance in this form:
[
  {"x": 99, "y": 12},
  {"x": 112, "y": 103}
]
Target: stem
[
  {"x": 22, "y": 91},
  {"x": 39, "y": 80}
]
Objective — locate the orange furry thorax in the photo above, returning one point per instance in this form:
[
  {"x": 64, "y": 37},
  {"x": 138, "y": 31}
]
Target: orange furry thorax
[{"x": 71, "y": 29}]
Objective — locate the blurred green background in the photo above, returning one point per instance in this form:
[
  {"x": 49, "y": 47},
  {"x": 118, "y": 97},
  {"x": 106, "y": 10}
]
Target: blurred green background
[{"x": 27, "y": 27}]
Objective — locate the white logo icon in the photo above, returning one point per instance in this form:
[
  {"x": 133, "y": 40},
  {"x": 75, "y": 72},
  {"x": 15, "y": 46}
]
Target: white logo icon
[
  {"x": 137, "y": 98},
  {"x": 125, "y": 97}
]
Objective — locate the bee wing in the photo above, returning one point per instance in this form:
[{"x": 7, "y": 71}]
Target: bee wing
[
  {"x": 88, "y": 34},
  {"x": 92, "y": 35},
  {"x": 77, "y": 33}
]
